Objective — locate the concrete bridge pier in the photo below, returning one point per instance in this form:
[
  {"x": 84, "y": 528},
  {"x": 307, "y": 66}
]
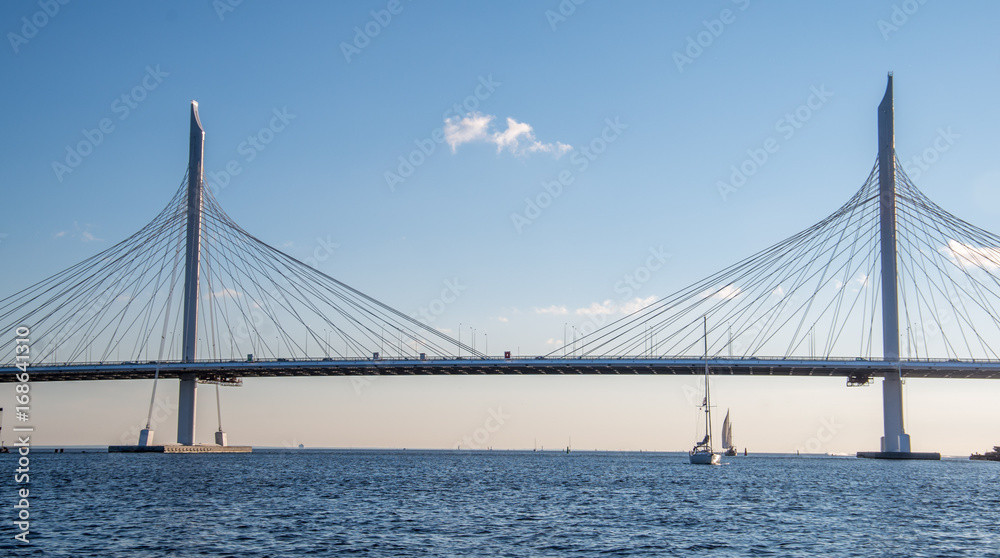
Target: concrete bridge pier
[
  {"x": 896, "y": 442},
  {"x": 895, "y": 438},
  {"x": 188, "y": 396},
  {"x": 187, "y": 405}
]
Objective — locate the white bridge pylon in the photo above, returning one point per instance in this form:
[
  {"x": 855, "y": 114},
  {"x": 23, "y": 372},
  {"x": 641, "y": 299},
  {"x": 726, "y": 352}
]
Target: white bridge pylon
[{"x": 895, "y": 439}]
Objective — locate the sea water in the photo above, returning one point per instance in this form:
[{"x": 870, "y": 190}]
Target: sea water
[{"x": 498, "y": 503}]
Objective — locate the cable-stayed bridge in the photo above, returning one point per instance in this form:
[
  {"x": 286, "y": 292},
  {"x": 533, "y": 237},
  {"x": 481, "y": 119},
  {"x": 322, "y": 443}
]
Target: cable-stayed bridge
[{"x": 194, "y": 296}]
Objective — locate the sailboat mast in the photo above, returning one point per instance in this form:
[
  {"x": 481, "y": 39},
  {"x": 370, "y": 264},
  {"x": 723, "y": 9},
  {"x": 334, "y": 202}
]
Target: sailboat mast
[{"x": 708, "y": 396}]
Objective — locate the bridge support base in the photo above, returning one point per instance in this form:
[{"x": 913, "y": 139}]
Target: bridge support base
[
  {"x": 912, "y": 455},
  {"x": 178, "y": 448},
  {"x": 895, "y": 439},
  {"x": 187, "y": 405},
  {"x": 146, "y": 437},
  {"x": 896, "y": 442}
]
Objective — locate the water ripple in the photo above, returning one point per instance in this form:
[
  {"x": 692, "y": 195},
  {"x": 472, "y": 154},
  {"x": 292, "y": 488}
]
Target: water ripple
[{"x": 452, "y": 504}]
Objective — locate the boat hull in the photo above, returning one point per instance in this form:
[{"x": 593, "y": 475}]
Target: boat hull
[{"x": 704, "y": 458}]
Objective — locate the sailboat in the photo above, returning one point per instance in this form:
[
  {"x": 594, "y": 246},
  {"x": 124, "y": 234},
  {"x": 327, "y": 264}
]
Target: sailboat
[
  {"x": 727, "y": 436},
  {"x": 3, "y": 448},
  {"x": 702, "y": 453}
]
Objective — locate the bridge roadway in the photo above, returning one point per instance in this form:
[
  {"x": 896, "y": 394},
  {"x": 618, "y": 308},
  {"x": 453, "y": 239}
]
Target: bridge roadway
[{"x": 859, "y": 369}]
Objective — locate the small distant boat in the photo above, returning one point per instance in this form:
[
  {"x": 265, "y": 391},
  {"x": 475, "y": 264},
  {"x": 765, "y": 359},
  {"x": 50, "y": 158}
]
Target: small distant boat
[
  {"x": 727, "y": 437},
  {"x": 3, "y": 448},
  {"x": 988, "y": 456},
  {"x": 702, "y": 453}
]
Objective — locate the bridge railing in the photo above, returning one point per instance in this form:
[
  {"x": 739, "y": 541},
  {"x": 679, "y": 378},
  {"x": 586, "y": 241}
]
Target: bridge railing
[{"x": 522, "y": 358}]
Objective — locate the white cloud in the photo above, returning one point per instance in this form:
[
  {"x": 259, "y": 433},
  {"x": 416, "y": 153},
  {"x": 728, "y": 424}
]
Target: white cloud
[
  {"x": 779, "y": 292},
  {"x": 227, "y": 293},
  {"x": 503, "y": 319},
  {"x": 509, "y": 138},
  {"x": 518, "y": 138},
  {"x": 966, "y": 255},
  {"x": 552, "y": 341},
  {"x": 637, "y": 304},
  {"x": 598, "y": 309},
  {"x": 557, "y": 310},
  {"x": 608, "y": 307},
  {"x": 471, "y": 128},
  {"x": 83, "y": 233},
  {"x": 728, "y": 292},
  {"x": 861, "y": 280}
]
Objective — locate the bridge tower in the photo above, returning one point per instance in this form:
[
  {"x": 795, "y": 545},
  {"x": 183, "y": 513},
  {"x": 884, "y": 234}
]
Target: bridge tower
[
  {"x": 895, "y": 442},
  {"x": 188, "y": 397},
  {"x": 895, "y": 438}
]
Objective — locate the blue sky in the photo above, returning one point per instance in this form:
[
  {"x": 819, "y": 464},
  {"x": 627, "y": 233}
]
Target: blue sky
[{"x": 680, "y": 125}]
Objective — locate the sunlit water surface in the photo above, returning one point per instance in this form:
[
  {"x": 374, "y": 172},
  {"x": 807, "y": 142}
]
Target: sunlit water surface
[{"x": 414, "y": 503}]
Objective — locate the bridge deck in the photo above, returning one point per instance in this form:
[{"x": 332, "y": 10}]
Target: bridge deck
[{"x": 514, "y": 366}]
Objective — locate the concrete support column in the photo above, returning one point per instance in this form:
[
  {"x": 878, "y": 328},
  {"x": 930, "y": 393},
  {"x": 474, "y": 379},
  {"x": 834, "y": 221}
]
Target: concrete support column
[
  {"x": 186, "y": 407},
  {"x": 187, "y": 398},
  {"x": 895, "y": 439}
]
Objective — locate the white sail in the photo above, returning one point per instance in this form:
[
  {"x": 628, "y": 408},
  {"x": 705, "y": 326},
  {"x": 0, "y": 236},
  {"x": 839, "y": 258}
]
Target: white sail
[{"x": 727, "y": 433}]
